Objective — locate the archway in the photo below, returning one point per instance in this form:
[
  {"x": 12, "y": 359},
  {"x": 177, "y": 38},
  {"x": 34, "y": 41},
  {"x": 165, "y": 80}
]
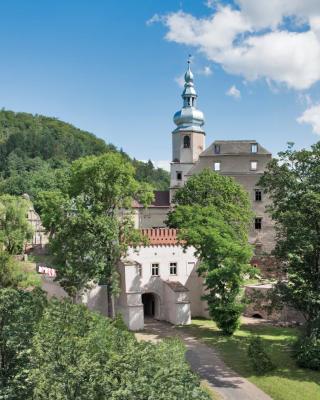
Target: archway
[{"x": 150, "y": 303}]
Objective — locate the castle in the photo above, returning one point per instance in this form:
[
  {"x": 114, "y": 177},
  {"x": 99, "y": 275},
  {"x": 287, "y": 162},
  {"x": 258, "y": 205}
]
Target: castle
[{"x": 160, "y": 280}]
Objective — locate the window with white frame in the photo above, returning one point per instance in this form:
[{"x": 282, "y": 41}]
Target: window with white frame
[
  {"x": 173, "y": 268},
  {"x": 155, "y": 269},
  {"x": 253, "y": 165},
  {"x": 254, "y": 148},
  {"x": 217, "y": 166}
]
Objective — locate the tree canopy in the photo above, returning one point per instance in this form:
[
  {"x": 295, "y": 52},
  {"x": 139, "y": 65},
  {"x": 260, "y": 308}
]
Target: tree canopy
[
  {"x": 91, "y": 222},
  {"x": 293, "y": 184},
  {"x": 15, "y": 229},
  {"x": 213, "y": 215}
]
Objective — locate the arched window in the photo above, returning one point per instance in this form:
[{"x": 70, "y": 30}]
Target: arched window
[{"x": 186, "y": 142}]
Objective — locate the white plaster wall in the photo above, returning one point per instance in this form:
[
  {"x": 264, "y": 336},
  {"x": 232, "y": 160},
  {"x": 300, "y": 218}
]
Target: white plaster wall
[
  {"x": 186, "y": 275},
  {"x": 163, "y": 255}
]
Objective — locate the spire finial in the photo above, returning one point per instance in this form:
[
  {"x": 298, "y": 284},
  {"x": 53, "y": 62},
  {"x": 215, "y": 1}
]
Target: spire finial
[{"x": 189, "y": 60}]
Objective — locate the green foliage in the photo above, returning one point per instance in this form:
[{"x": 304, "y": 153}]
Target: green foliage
[
  {"x": 92, "y": 220},
  {"x": 293, "y": 185},
  {"x": 36, "y": 151},
  {"x": 14, "y": 275},
  {"x": 307, "y": 351},
  {"x": 81, "y": 355},
  {"x": 15, "y": 229},
  {"x": 259, "y": 358},
  {"x": 146, "y": 172},
  {"x": 213, "y": 215},
  {"x": 20, "y": 312}
]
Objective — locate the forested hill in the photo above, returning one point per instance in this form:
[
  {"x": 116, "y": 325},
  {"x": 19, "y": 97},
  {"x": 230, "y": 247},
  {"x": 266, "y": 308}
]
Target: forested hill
[{"x": 36, "y": 150}]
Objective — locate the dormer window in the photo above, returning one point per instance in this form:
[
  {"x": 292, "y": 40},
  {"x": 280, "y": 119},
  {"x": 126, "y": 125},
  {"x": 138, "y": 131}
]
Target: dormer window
[
  {"x": 186, "y": 142},
  {"x": 254, "y": 148},
  {"x": 217, "y": 149}
]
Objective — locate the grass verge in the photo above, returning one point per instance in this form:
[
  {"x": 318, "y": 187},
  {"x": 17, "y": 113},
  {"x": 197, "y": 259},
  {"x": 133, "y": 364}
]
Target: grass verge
[{"x": 286, "y": 382}]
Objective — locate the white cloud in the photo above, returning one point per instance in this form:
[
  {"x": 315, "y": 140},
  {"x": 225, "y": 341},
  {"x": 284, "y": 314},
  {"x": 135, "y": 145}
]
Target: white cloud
[
  {"x": 180, "y": 80},
  {"x": 270, "y": 13},
  {"x": 211, "y": 3},
  {"x": 233, "y": 92},
  {"x": 253, "y": 42},
  {"x": 311, "y": 116},
  {"x": 205, "y": 71}
]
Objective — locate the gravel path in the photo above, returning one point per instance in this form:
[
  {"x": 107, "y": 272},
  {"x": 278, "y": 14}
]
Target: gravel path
[{"x": 206, "y": 362}]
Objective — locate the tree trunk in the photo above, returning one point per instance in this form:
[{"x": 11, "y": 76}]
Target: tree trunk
[{"x": 111, "y": 311}]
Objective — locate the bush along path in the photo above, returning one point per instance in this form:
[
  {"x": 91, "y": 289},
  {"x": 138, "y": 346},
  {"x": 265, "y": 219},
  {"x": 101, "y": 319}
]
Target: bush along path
[{"x": 205, "y": 361}]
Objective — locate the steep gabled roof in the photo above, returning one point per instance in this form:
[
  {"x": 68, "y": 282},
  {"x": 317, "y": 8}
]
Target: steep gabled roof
[
  {"x": 234, "y": 147},
  {"x": 161, "y": 199}
]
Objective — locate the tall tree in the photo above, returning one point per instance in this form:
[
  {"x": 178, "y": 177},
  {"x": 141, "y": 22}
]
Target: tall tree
[
  {"x": 92, "y": 222},
  {"x": 293, "y": 184},
  {"x": 20, "y": 312},
  {"x": 213, "y": 215},
  {"x": 15, "y": 229},
  {"x": 80, "y": 355}
]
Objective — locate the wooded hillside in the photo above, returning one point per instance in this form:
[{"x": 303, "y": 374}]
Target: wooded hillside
[{"x": 35, "y": 152}]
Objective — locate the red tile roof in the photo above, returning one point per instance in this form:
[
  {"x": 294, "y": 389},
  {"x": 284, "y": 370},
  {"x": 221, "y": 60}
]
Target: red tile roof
[{"x": 161, "y": 236}]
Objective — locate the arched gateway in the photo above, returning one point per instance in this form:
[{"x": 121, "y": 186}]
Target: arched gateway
[{"x": 151, "y": 305}]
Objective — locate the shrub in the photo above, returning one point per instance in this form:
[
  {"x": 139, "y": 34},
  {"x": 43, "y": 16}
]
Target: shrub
[
  {"x": 307, "y": 351},
  {"x": 226, "y": 316},
  {"x": 260, "y": 360}
]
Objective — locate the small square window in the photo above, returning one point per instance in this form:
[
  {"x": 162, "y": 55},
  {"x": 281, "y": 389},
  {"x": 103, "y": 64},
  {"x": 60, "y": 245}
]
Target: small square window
[
  {"x": 254, "y": 148},
  {"x": 173, "y": 268},
  {"x": 179, "y": 176},
  {"x": 217, "y": 149},
  {"x": 258, "y": 195},
  {"x": 258, "y": 223},
  {"x": 217, "y": 166},
  {"x": 155, "y": 270},
  {"x": 253, "y": 165}
]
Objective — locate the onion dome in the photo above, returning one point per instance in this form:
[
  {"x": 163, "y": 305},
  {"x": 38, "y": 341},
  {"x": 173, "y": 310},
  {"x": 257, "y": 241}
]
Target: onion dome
[{"x": 189, "y": 118}]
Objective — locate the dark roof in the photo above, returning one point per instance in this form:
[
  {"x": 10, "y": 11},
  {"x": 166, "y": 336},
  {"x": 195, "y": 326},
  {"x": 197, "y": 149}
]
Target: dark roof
[
  {"x": 161, "y": 199},
  {"x": 234, "y": 147},
  {"x": 176, "y": 286}
]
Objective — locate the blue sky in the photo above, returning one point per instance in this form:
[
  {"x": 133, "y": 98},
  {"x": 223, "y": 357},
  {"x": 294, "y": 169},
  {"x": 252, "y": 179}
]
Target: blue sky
[{"x": 100, "y": 65}]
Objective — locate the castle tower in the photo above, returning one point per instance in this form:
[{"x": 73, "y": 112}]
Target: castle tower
[{"x": 188, "y": 139}]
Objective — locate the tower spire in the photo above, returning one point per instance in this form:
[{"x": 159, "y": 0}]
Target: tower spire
[{"x": 189, "y": 117}]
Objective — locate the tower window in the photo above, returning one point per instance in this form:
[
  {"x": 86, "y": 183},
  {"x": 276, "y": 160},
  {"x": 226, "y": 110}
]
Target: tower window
[
  {"x": 217, "y": 166},
  {"x": 258, "y": 223},
  {"x": 258, "y": 195},
  {"x": 254, "y": 148},
  {"x": 179, "y": 176},
  {"x": 186, "y": 142},
  {"x": 217, "y": 149},
  {"x": 253, "y": 165},
  {"x": 155, "y": 269},
  {"x": 173, "y": 268}
]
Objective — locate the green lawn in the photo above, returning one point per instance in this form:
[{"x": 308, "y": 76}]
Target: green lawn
[{"x": 287, "y": 382}]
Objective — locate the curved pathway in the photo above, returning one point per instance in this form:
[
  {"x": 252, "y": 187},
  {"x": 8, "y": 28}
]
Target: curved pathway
[{"x": 206, "y": 362}]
